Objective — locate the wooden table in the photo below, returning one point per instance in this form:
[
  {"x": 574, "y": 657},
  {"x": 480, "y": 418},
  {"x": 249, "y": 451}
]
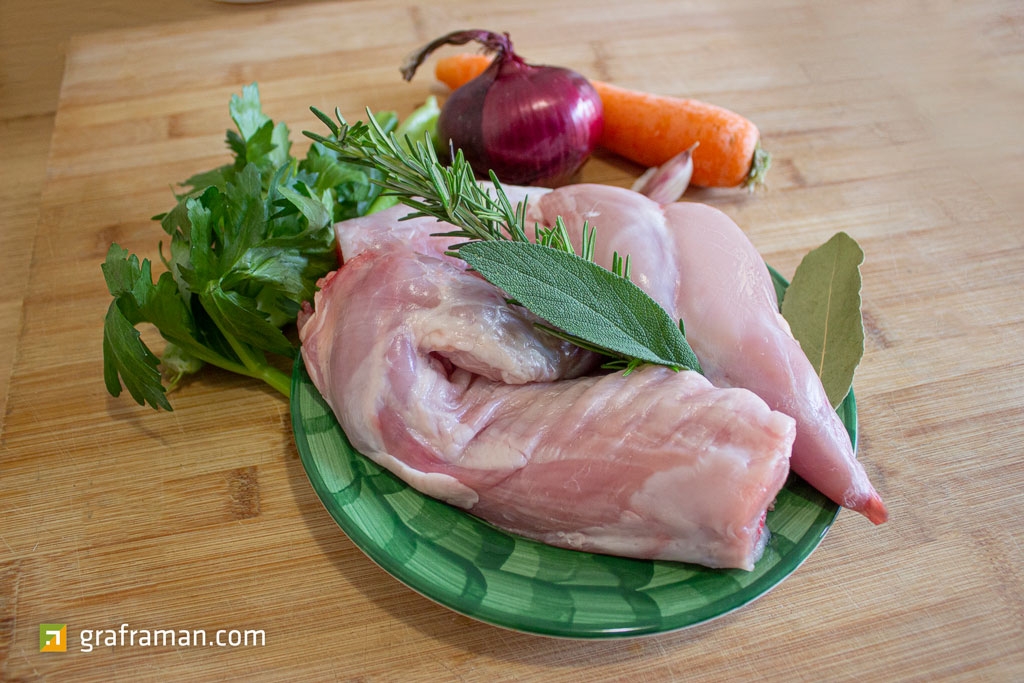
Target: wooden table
[{"x": 897, "y": 122}]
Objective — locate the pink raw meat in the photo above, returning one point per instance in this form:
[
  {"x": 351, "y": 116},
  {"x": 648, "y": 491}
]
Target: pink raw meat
[
  {"x": 435, "y": 377},
  {"x": 701, "y": 267}
]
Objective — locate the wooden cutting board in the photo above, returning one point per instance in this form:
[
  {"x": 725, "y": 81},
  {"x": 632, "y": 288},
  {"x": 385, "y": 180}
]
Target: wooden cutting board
[{"x": 204, "y": 519}]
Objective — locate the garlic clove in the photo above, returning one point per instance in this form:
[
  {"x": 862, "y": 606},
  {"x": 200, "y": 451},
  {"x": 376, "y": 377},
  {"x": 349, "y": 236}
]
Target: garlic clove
[{"x": 667, "y": 183}]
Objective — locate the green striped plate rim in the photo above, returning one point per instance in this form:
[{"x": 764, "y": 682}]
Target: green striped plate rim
[{"x": 478, "y": 570}]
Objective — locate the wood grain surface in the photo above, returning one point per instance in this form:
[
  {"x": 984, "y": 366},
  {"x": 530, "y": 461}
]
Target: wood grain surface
[{"x": 897, "y": 122}]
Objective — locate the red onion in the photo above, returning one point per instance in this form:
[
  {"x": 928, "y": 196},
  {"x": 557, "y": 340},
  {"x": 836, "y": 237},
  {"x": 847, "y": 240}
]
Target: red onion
[{"x": 531, "y": 125}]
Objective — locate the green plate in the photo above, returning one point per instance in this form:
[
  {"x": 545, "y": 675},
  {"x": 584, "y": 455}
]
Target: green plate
[{"x": 478, "y": 570}]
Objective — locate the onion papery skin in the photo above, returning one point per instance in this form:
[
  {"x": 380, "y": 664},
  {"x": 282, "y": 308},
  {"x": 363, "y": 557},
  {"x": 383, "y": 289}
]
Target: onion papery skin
[{"x": 531, "y": 125}]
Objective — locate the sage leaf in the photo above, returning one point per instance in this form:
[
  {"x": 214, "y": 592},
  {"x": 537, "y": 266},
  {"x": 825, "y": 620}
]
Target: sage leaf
[
  {"x": 583, "y": 299},
  {"x": 823, "y": 308}
]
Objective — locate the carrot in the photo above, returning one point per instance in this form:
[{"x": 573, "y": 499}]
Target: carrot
[
  {"x": 651, "y": 129},
  {"x": 458, "y": 69}
]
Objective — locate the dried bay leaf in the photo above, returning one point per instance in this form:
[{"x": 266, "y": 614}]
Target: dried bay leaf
[{"x": 823, "y": 308}]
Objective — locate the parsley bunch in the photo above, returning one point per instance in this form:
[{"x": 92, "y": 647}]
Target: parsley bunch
[{"x": 248, "y": 242}]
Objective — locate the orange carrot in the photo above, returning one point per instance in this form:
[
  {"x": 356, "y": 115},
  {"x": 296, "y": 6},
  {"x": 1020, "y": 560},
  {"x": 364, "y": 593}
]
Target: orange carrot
[
  {"x": 651, "y": 129},
  {"x": 459, "y": 69}
]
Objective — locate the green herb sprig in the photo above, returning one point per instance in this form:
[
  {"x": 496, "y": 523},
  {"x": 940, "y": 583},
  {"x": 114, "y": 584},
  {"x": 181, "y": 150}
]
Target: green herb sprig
[
  {"x": 597, "y": 309},
  {"x": 247, "y": 243}
]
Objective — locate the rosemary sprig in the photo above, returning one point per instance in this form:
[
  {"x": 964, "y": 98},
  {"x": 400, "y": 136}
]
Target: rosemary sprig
[
  {"x": 585, "y": 304},
  {"x": 414, "y": 174}
]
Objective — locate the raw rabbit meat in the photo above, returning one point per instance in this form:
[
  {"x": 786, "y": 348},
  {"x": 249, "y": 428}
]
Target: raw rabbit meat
[
  {"x": 699, "y": 265},
  {"x": 433, "y": 375}
]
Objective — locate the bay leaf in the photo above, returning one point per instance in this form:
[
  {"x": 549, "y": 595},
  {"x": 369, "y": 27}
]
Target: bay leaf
[
  {"x": 582, "y": 299},
  {"x": 823, "y": 308}
]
